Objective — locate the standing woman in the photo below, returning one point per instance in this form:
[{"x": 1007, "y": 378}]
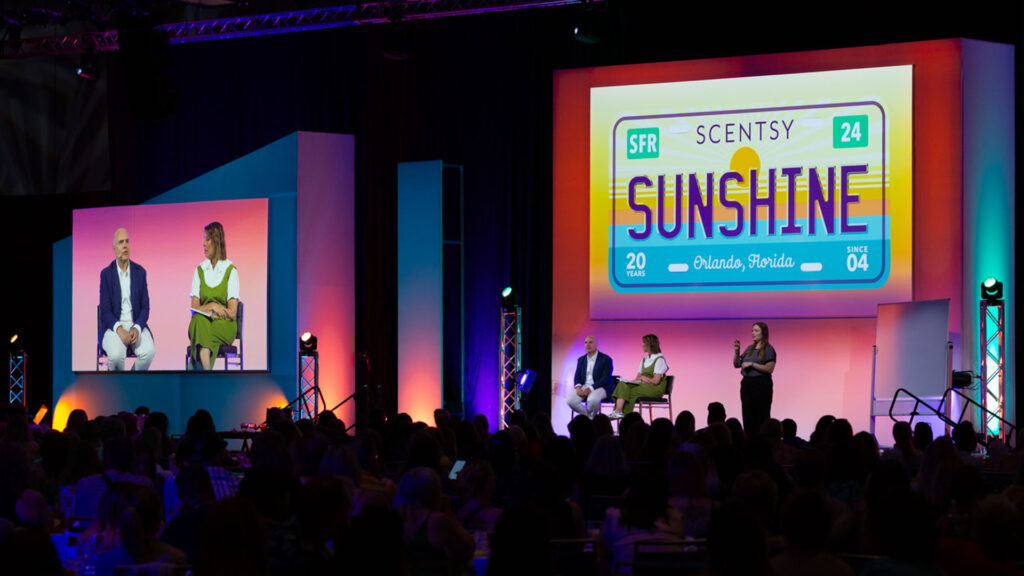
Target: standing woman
[
  {"x": 756, "y": 365},
  {"x": 215, "y": 297},
  {"x": 649, "y": 381}
]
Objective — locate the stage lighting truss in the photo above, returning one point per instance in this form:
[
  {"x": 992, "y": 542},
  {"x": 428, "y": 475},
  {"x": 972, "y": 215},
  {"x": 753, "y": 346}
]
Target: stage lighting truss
[
  {"x": 16, "y": 379},
  {"x": 309, "y": 398},
  {"x": 993, "y": 365},
  {"x": 280, "y": 23},
  {"x": 511, "y": 363}
]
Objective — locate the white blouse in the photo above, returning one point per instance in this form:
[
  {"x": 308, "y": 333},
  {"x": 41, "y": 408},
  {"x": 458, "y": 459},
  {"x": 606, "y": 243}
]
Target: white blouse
[
  {"x": 212, "y": 276},
  {"x": 660, "y": 366}
]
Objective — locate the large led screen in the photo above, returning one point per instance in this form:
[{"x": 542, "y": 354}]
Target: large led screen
[
  {"x": 167, "y": 242},
  {"x": 768, "y": 196}
]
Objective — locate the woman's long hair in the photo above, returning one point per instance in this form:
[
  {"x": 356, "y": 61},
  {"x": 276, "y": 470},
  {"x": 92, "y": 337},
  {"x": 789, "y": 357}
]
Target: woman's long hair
[
  {"x": 653, "y": 345},
  {"x": 764, "y": 340},
  {"x": 215, "y": 232}
]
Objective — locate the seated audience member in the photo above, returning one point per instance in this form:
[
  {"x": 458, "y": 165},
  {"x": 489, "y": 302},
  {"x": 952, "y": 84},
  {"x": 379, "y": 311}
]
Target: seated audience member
[
  {"x": 582, "y": 437},
  {"x": 903, "y": 450},
  {"x": 550, "y": 489},
  {"x": 271, "y": 490},
  {"x": 435, "y": 541},
  {"x": 736, "y": 542},
  {"x": 232, "y": 541},
  {"x": 200, "y": 421},
  {"x": 33, "y": 511},
  {"x": 688, "y": 493},
  {"x": 867, "y": 449},
  {"x": 322, "y": 512},
  {"x": 645, "y": 516},
  {"x": 367, "y": 447},
  {"x": 15, "y": 478},
  {"x": 477, "y": 512},
  {"x": 923, "y": 436},
  {"x": 195, "y": 493},
  {"x": 483, "y": 427},
  {"x": 634, "y": 438},
  {"x": 806, "y": 524},
  {"x": 782, "y": 453},
  {"x": 966, "y": 441},
  {"x": 736, "y": 431},
  {"x": 606, "y": 472},
  {"x": 907, "y": 533},
  {"x": 521, "y": 543},
  {"x": 603, "y": 425},
  {"x": 938, "y": 467},
  {"x": 78, "y": 420},
  {"x": 375, "y": 545},
  {"x": 204, "y": 448},
  {"x": 716, "y": 413},
  {"x": 340, "y": 462},
  {"x": 758, "y": 491},
  {"x": 660, "y": 441},
  {"x": 161, "y": 423},
  {"x": 28, "y": 552},
  {"x": 118, "y": 462},
  {"x": 789, "y": 436},
  {"x": 820, "y": 435},
  {"x": 55, "y": 459},
  {"x": 125, "y": 531},
  {"x": 18, "y": 432},
  {"x": 685, "y": 426}
]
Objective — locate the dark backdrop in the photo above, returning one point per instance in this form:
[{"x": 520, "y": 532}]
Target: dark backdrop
[{"x": 474, "y": 91}]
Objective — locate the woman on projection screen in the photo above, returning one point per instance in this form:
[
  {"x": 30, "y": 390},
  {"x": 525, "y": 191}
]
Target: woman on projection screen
[
  {"x": 214, "y": 300},
  {"x": 756, "y": 365},
  {"x": 649, "y": 381}
]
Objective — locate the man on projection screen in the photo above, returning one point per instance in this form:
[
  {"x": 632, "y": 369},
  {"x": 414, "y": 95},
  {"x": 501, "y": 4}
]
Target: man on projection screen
[
  {"x": 124, "y": 309},
  {"x": 593, "y": 380}
]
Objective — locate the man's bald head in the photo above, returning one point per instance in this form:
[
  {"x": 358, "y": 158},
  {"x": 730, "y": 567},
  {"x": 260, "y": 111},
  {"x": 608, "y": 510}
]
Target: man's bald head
[{"x": 122, "y": 248}]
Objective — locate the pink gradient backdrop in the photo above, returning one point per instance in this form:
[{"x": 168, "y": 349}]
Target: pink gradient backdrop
[{"x": 166, "y": 239}]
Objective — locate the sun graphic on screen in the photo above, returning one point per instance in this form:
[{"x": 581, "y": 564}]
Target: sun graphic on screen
[{"x": 744, "y": 160}]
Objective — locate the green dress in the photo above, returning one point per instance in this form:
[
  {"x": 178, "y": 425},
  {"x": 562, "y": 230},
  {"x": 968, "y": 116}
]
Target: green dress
[
  {"x": 206, "y": 332},
  {"x": 633, "y": 392}
]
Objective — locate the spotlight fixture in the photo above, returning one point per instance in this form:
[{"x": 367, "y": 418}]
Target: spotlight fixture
[
  {"x": 508, "y": 301},
  {"x": 14, "y": 338},
  {"x": 87, "y": 68},
  {"x": 587, "y": 29},
  {"x": 524, "y": 379},
  {"x": 991, "y": 290},
  {"x": 40, "y": 414},
  {"x": 307, "y": 342}
]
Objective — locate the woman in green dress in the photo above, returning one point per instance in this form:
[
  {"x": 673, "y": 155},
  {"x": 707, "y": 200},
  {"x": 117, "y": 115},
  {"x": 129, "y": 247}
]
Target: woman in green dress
[
  {"x": 214, "y": 300},
  {"x": 649, "y": 381}
]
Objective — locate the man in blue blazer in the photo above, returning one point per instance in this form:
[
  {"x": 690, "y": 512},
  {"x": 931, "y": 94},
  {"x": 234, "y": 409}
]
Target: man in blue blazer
[
  {"x": 124, "y": 309},
  {"x": 593, "y": 380}
]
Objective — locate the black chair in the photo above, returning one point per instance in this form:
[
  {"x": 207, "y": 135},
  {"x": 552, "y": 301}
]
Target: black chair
[
  {"x": 664, "y": 402},
  {"x": 233, "y": 355},
  {"x": 650, "y": 403}
]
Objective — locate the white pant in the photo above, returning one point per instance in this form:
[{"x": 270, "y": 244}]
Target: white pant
[
  {"x": 116, "y": 351},
  {"x": 588, "y": 406}
]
